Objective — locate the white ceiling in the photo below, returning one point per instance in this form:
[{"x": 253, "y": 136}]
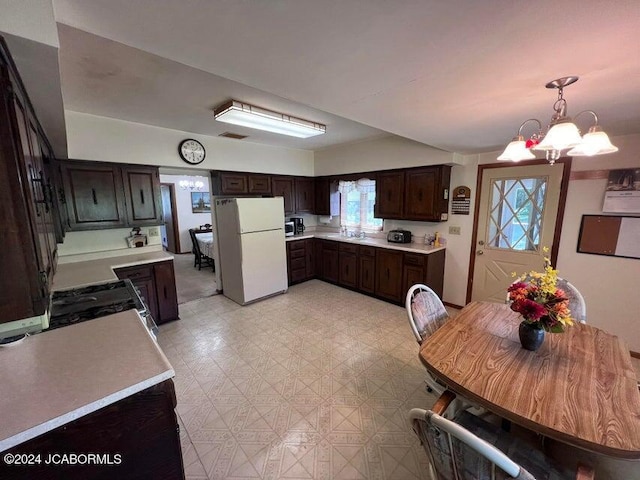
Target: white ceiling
[{"x": 458, "y": 75}]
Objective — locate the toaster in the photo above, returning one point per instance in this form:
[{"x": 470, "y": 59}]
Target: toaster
[{"x": 399, "y": 236}]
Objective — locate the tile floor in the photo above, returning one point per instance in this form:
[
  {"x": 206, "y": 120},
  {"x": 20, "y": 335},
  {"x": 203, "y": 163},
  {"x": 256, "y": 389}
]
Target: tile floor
[
  {"x": 314, "y": 384},
  {"x": 192, "y": 283}
]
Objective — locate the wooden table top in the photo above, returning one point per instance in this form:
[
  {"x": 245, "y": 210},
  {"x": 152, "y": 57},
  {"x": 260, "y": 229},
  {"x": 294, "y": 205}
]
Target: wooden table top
[{"x": 579, "y": 387}]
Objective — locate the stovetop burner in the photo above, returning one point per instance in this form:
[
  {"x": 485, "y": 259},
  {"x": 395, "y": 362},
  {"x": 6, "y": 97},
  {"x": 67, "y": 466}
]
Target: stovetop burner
[{"x": 86, "y": 303}]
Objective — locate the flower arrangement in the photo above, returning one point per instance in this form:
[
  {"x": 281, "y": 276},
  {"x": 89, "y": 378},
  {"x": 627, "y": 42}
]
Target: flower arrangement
[{"x": 541, "y": 304}]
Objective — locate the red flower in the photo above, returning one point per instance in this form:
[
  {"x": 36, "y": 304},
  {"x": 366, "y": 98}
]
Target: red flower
[
  {"x": 531, "y": 310},
  {"x": 516, "y": 286}
]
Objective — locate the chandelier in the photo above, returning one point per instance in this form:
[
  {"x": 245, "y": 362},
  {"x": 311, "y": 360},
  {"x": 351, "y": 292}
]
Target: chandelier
[
  {"x": 191, "y": 185},
  {"x": 562, "y": 134}
]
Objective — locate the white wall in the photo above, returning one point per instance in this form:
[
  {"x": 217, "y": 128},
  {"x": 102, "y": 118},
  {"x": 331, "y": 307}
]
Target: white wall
[
  {"x": 32, "y": 19},
  {"x": 91, "y": 137},
  {"x": 79, "y": 246},
  {"x": 185, "y": 216},
  {"x": 382, "y": 153},
  {"x": 609, "y": 284}
]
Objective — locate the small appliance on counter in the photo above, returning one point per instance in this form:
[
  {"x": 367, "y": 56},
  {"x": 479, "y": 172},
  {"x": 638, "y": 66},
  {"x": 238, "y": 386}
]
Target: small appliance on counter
[
  {"x": 289, "y": 229},
  {"x": 399, "y": 236},
  {"x": 298, "y": 223}
]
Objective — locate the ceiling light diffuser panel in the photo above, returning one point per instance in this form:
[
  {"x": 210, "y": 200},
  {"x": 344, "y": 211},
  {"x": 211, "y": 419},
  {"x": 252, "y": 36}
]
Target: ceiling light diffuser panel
[{"x": 250, "y": 116}]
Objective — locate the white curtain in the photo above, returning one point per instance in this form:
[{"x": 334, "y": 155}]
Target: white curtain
[{"x": 364, "y": 185}]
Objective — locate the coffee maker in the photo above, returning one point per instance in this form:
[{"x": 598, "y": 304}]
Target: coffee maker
[{"x": 298, "y": 225}]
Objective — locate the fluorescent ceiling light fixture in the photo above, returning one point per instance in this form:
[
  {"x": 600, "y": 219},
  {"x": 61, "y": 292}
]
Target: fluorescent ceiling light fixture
[
  {"x": 562, "y": 134},
  {"x": 250, "y": 116}
]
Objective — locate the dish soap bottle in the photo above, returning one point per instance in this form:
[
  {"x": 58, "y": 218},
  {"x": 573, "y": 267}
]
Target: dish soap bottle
[{"x": 436, "y": 240}]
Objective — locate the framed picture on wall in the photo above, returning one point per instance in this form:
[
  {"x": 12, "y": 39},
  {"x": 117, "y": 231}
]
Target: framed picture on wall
[{"x": 200, "y": 202}]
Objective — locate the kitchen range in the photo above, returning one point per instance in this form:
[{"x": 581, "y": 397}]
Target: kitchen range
[{"x": 76, "y": 305}]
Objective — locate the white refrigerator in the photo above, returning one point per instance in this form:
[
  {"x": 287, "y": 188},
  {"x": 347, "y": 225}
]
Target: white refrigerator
[{"x": 252, "y": 252}]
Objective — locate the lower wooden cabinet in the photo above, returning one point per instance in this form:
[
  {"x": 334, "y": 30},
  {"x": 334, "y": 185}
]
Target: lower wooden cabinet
[
  {"x": 142, "y": 429},
  {"x": 157, "y": 285},
  {"x": 377, "y": 271},
  {"x": 330, "y": 262},
  {"x": 367, "y": 269},
  {"x": 348, "y": 265},
  {"x": 389, "y": 274}
]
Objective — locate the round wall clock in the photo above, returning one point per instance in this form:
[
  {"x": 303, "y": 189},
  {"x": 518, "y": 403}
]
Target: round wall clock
[{"x": 191, "y": 151}]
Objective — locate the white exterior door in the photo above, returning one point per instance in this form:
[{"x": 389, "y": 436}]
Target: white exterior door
[{"x": 517, "y": 218}]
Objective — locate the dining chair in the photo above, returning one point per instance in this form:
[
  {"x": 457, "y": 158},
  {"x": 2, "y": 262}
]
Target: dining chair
[
  {"x": 426, "y": 314},
  {"x": 470, "y": 448},
  {"x": 199, "y": 258},
  {"x": 577, "y": 304}
]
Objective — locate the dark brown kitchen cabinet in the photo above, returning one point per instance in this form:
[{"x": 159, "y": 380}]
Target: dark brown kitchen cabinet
[
  {"x": 330, "y": 261},
  {"x": 233, "y": 183},
  {"x": 258, "y": 184},
  {"x": 142, "y": 195},
  {"x": 348, "y": 264},
  {"x": 389, "y": 274},
  {"x": 311, "y": 258},
  {"x": 427, "y": 193},
  {"x": 426, "y": 269},
  {"x": 94, "y": 195},
  {"x": 366, "y": 269},
  {"x": 166, "y": 291},
  {"x": 296, "y": 261},
  {"x": 157, "y": 285},
  {"x": 389, "y": 195},
  {"x": 305, "y": 195},
  {"x": 29, "y": 252},
  {"x": 327, "y": 201},
  {"x": 284, "y": 187},
  {"x": 319, "y": 259},
  {"x": 141, "y": 428}
]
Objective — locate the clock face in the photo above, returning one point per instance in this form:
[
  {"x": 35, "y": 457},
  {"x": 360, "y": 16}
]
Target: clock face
[{"x": 191, "y": 151}]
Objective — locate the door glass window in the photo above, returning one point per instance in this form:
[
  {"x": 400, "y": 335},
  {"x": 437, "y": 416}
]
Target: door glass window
[{"x": 517, "y": 207}]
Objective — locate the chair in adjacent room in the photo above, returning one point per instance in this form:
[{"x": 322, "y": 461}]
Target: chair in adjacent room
[
  {"x": 426, "y": 314},
  {"x": 199, "y": 259},
  {"x": 469, "y": 447}
]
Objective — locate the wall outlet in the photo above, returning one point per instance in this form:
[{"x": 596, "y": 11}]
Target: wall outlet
[
  {"x": 454, "y": 230},
  {"x": 154, "y": 231}
]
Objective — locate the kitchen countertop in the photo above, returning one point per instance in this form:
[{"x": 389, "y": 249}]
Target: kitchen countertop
[
  {"x": 370, "y": 241},
  {"x": 55, "y": 377},
  {"x": 78, "y": 274}
]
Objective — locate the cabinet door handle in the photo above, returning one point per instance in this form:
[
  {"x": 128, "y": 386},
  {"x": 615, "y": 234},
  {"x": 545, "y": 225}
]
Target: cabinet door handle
[
  {"x": 95, "y": 198},
  {"x": 142, "y": 196},
  {"x": 388, "y": 273},
  {"x": 164, "y": 289},
  {"x": 389, "y": 195},
  {"x": 420, "y": 195},
  {"x": 347, "y": 270}
]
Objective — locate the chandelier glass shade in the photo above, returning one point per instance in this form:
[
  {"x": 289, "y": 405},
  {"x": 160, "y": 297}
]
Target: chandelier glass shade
[
  {"x": 191, "y": 185},
  {"x": 562, "y": 134}
]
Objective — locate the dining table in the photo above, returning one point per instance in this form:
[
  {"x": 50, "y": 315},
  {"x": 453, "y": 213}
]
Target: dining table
[
  {"x": 579, "y": 388},
  {"x": 205, "y": 242}
]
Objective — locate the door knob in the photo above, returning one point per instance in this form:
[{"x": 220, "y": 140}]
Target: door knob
[
  {"x": 479, "y": 252},
  {"x": 481, "y": 242}
]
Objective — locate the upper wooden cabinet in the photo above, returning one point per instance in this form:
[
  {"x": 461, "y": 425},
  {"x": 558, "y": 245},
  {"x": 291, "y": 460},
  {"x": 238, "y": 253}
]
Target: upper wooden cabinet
[
  {"x": 142, "y": 195},
  {"x": 305, "y": 195},
  {"x": 258, "y": 184},
  {"x": 28, "y": 237},
  {"x": 413, "y": 194},
  {"x": 284, "y": 187},
  {"x": 427, "y": 193},
  {"x": 389, "y": 195},
  {"x": 327, "y": 196},
  {"x": 109, "y": 195},
  {"x": 232, "y": 183},
  {"x": 94, "y": 195}
]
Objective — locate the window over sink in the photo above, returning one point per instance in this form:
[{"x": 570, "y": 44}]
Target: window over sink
[{"x": 357, "y": 199}]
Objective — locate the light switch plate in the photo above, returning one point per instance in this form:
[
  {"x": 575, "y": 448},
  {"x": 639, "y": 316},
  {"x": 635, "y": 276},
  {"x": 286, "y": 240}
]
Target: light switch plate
[
  {"x": 454, "y": 230},
  {"x": 154, "y": 231}
]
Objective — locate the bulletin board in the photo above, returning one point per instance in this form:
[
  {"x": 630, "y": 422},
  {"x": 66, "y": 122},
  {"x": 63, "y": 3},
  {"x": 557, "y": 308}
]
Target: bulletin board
[{"x": 617, "y": 236}]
